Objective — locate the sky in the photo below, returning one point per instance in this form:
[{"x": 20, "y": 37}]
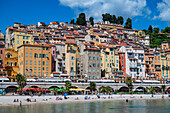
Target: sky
[{"x": 142, "y": 12}]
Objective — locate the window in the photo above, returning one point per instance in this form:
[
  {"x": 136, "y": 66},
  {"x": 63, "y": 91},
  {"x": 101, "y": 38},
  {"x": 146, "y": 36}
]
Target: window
[
  {"x": 26, "y": 68},
  {"x": 94, "y": 65},
  {"x": 72, "y": 58},
  {"x": 39, "y": 48},
  {"x": 89, "y": 58},
  {"x": 35, "y": 68},
  {"x": 89, "y": 70},
  {"x": 39, "y": 68},
  {"x": 26, "y": 47},
  {"x": 34, "y": 62},
  {"x": 98, "y": 58},
  {"x": 30, "y": 54},
  {"x": 43, "y": 68},
  {"x": 26, "y": 62},
  {"x": 39, "y": 63},
  {"x": 46, "y": 73},
  {"x": 122, "y": 62},
  {"x": 26, "y": 54},
  {"x": 72, "y": 68},
  {"x": 43, "y": 48},
  {"x": 46, "y": 55},
  {"x": 47, "y": 63},
  {"x": 36, "y": 55},
  {"x": 117, "y": 61},
  {"x": 18, "y": 36},
  {"x": 30, "y": 62},
  {"x": 94, "y": 58},
  {"x": 98, "y": 70},
  {"x": 23, "y": 42},
  {"x": 38, "y": 73},
  {"x": 72, "y": 63},
  {"x": 108, "y": 65},
  {"x": 35, "y": 73},
  {"x": 17, "y": 41},
  {"x": 46, "y": 68},
  {"x": 35, "y": 48},
  {"x": 94, "y": 70},
  {"x": 89, "y": 64},
  {"x": 47, "y": 48},
  {"x": 43, "y": 63},
  {"x": 98, "y": 65},
  {"x": 106, "y": 60}
]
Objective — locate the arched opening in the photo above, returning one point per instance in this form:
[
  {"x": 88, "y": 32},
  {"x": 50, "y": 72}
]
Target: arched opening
[
  {"x": 34, "y": 87},
  {"x": 15, "y": 64},
  {"x": 157, "y": 89},
  {"x": 11, "y": 89},
  {"x": 8, "y": 55},
  {"x": 124, "y": 89},
  {"x": 52, "y": 87},
  {"x": 168, "y": 90},
  {"x": 140, "y": 89}
]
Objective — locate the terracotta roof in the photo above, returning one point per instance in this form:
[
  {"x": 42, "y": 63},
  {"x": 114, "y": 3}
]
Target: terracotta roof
[
  {"x": 106, "y": 51},
  {"x": 86, "y": 43},
  {"x": 93, "y": 49},
  {"x": 56, "y": 73},
  {"x": 126, "y": 75},
  {"x": 59, "y": 44}
]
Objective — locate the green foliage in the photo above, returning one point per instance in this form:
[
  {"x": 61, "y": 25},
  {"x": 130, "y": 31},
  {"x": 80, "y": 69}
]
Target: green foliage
[
  {"x": 129, "y": 83},
  {"x": 91, "y": 21},
  {"x": 68, "y": 86},
  {"x": 92, "y": 86},
  {"x": 163, "y": 88},
  {"x": 166, "y": 30},
  {"x": 156, "y": 30},
  {"x": 114, "y": 19},
  {"x": 120, "y": 20},
  {"x": 21, "y": 81},
  {"x": 150, "y": 29},
  {"x": 107, "y": 89},
  {"x": 72, "y": 21},
  {"x": 81, "y": 20},
  {"x": 128, "y": 23}
]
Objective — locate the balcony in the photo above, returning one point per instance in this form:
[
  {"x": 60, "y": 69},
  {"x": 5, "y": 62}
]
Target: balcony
[
  {"x": 158, "y": 68},
  {"x": 141, "y": 57}
]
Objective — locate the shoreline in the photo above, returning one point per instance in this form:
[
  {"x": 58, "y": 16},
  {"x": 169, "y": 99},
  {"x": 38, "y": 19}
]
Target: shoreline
[{"x": 8, "y": 100}]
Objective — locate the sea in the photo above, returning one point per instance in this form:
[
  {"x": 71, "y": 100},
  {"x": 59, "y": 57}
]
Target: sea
[{"x": 121, "y": 106}]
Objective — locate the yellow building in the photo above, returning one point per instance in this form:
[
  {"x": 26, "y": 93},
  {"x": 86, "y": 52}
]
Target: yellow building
[
  {"x": 140, "y": 33},
  {"x": 165, "y": 64},
  {"x": 109, "y": 61},
  {"x": 11, "y": 63},
  {"x": 19, "y": 38},
  {"x": 35, "y": 60}
]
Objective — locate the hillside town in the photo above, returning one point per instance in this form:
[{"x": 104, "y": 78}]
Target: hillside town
[{"x": 63, "y": 50}]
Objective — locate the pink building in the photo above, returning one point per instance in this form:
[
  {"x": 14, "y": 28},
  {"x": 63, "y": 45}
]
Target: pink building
[{"x": 3, "y": 72}]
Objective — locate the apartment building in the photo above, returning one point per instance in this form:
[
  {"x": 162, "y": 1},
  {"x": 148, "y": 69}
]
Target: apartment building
[
  {"x": 165, "y": 64},
  {"x": 35, "y": 60},
  {"x": 90, "y": 63},
  {"x": 3, "y": 72}
]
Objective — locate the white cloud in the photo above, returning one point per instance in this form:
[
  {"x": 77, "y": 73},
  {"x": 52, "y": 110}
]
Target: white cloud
[
  {"x": 125, "y": 8},
  {"x": 164, "y": 9}
]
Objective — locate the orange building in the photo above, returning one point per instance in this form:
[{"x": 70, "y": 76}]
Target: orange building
[{"x": 34, "y": 60}]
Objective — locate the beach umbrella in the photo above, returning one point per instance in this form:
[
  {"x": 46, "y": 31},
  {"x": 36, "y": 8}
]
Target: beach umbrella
[{"x": 65, "y": 94}]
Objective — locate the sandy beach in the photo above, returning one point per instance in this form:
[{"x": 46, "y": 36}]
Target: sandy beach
[{"x": 9, "y": 100}]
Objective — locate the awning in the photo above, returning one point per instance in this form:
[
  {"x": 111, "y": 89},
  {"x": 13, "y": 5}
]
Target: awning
[
  {"x": 153, "y": 81},
  {"x": 79, "y": 89}
]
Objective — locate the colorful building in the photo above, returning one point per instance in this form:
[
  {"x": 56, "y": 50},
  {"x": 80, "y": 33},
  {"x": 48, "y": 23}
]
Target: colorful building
[
  {"x": 3, "y": 72},
  {"x": 11, "y": 63},
  {"x": 35, "y": 60}
]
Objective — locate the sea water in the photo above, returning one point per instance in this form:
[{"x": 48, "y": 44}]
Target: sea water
[{"x": 132, "y": 106}]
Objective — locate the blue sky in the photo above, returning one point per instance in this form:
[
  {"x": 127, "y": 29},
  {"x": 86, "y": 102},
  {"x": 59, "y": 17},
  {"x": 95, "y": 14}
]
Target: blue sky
[{"x": 142, "y": 12}]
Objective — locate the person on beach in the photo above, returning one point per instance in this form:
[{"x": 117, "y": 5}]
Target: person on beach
[
  {"x": 14, "y": 100},
  {"x": 20, "y": 103}
]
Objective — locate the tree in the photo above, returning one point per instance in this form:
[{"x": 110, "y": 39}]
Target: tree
[
  {"x": 72, "y": 21},
  {"x": 152, "y": 90},
  {"x": 107, "y": 17},
  {"x": 156, "y": 30},
  {"x": 103, "y": 89},
  {"x": 68, "y": 86},
  {"x": 128, "y": 23},
  {"x": 129, "y": 83},
  {"x": 147, "y": 89},
  {"x": 120, "y": 20},
  {"x": 150, "y": 29},
  {"x": 163, "y": 88},
  {"x": 91, "y": 21},
  {"x": 166, "y": 30},
  {"x": 92, "y": 86},
  {"x": 21, "y": 81},
  {"x": 108, "y": 89},
  {"x": 81, "y": 20},
  {"x": 114, "y": 19}
]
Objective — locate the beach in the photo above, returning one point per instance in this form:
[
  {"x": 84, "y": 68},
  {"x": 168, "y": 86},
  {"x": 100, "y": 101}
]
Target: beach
[{"x": 9, "y": 100}]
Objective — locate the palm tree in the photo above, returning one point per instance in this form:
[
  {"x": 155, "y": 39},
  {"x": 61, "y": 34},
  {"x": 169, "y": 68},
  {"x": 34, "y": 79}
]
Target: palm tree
[
  {"x": 163, "y": 88},
  {"x": 153, "y": 90},
  {"x": 68, "y": 86},
  {"x": 21, "y": 81},
  {"x": 147, "y": 89},
  {"x": 92, "y": 86},
  {"x": 102, "y": 88},
  {"x": 129, "y": 83},
  {"x": 108, "y": 89}
]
